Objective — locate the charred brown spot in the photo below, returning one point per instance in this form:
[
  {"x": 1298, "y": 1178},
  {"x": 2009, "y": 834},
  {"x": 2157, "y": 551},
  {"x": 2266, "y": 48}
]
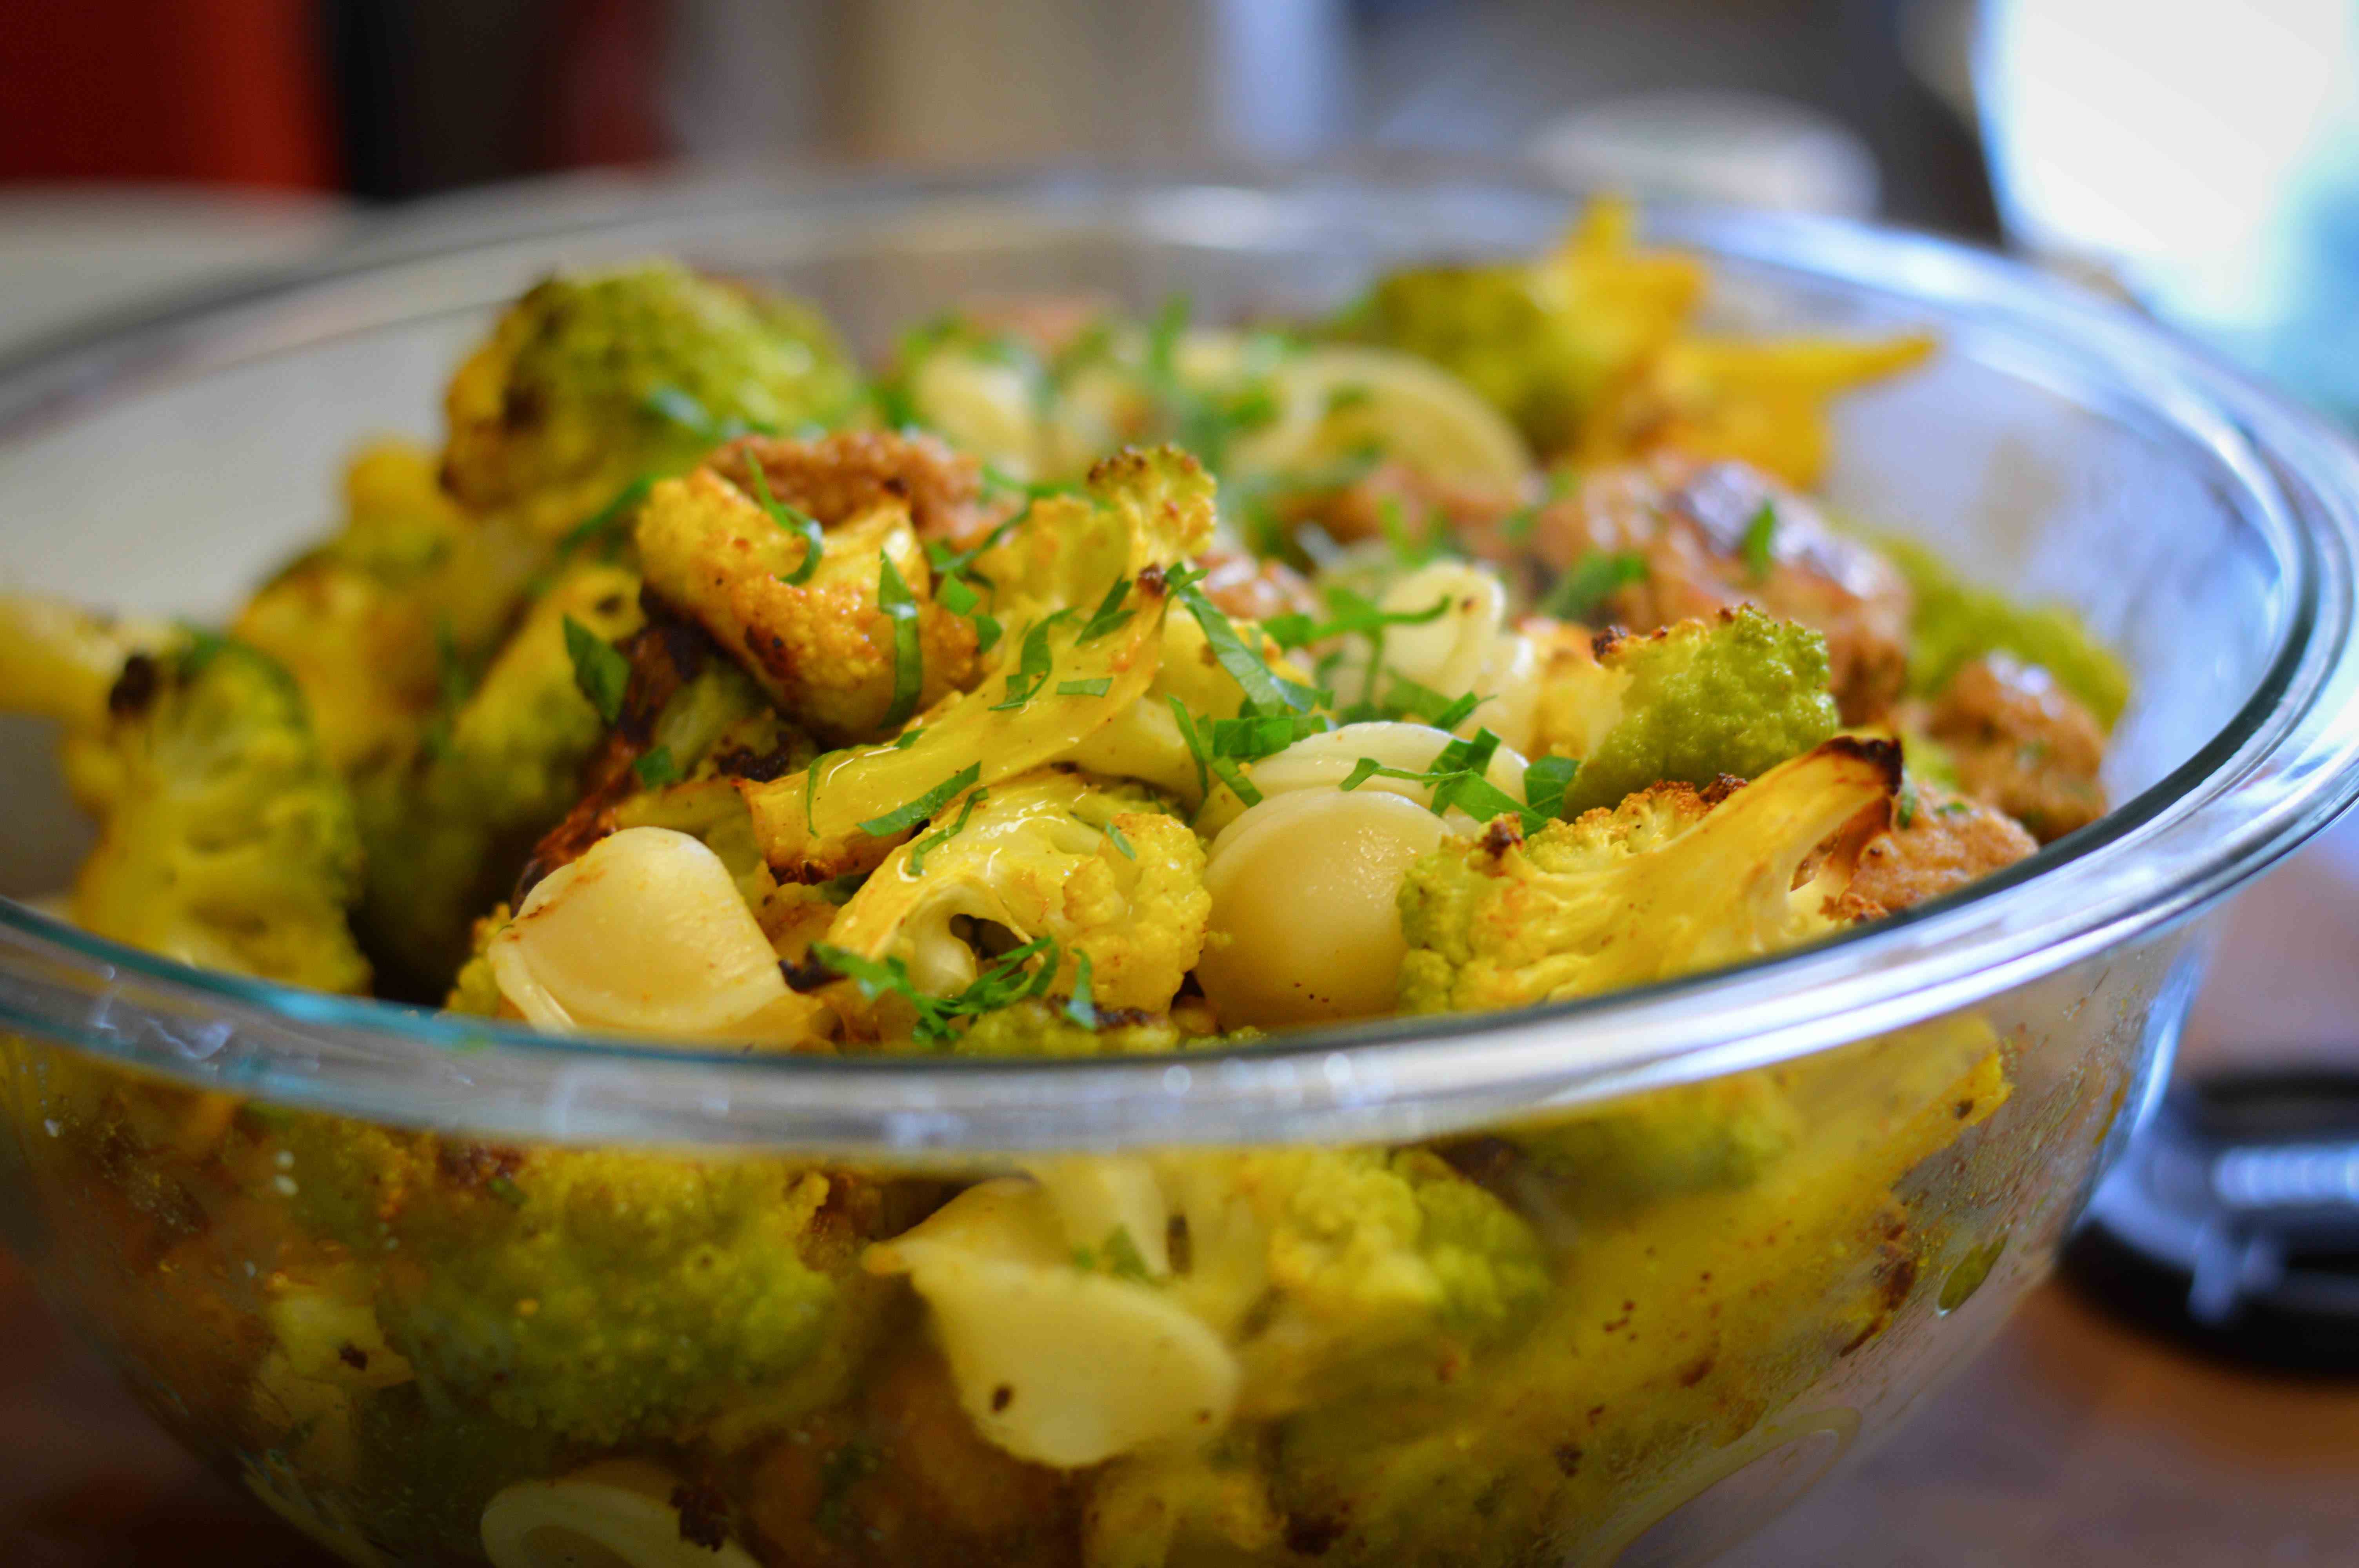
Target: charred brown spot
[
  {"x": 1881, "y": 754},
  {"x": 1503, "y": 834},
  {"x": 353, "y": 1356},
  {"x": 1605, "y": 641},
  {"x": 703, "y": 1512},
  {"x": 1568, "y": 1459},
  {"x": 765, "y": 767},
  {"x": 472, "y": 1165},
  {"x": 1483, "y": 1159},
  {"x": 135, "y": 689},
  {"x": 522, "y": 408},
  {"x": 1001, "y": 1397},
  {"x": 1151, "y": 582},
  {"x": 1720, "y": 789},
  {"x": 1310, "y": 1535},
  {"x": 1696, "y": 1371},
  {"x": 805, "y": 976},
  {"x": 1962, "y": 1109}
]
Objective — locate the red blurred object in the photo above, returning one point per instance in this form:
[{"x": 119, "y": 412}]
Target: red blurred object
[{"x": 232, "y": 92}]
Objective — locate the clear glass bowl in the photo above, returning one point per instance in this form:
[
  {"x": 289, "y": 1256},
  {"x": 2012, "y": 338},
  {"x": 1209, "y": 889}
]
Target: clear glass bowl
[{"x": 389, "y": 1269}]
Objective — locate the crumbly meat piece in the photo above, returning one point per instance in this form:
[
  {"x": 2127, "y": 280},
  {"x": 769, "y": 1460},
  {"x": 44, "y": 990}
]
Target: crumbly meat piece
[
  {"x": 1254, "y": 590},
  {"x": 1689, "y": 521},
  {"x": 838, "y": 477},
  {"x": 1468, "y": 514},
  {"x": 2023, "y": 744},
  {"x": 1943, "y": 842}
]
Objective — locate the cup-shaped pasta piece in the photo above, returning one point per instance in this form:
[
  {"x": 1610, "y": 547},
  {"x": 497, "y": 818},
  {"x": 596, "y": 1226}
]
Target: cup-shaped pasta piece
[
  {"x": 645, "y": 934},
  {"x": 616, "y": 1515},
  {"x": 1305, "y": 925}
]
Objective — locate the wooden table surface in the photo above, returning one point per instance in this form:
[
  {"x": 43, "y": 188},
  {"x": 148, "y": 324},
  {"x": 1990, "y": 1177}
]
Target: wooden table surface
[{"x": 2072, "y": 1442}]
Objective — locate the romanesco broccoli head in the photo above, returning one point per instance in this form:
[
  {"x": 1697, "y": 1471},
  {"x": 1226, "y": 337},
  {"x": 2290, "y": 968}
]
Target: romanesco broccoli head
[
  {"x": 448, "y": 828},
  {"x": 1365, "y": 1251},
  {"x": 590, "y": 1293},
  {"x": 590, "y": 380},
  {"x": 226, "y": 838},
  {"x": 1491, "y": 327},
  {"x": 1038, "y": 1028},
  {"x": 1664, "y": 884},
  {"x": 1729, "y": 696},
  {"x": 1720, "y": 1133},
  {"x": 1956, "y": 623}
]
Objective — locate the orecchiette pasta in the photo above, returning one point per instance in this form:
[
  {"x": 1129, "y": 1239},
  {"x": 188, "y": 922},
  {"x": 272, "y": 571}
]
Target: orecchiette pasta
[
  {"x": 616, "y": 1515},
  {"x": 1305, "y": 927},
  {"x": 645, "y": 934},
  {"x": 1054, "y": 1363},
  {"x": 1470, "y": 647}
]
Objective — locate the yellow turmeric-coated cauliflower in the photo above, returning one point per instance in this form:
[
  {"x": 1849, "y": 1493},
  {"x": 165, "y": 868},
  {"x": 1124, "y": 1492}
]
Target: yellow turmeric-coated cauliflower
[
  {"x": 1078, "y": 586},
  {"x": 823, "y": 642},
  {"x": 1664, "y": 884},
  {"x": 375, "y": 622},
  {"x": 1102, "y": 871},
  {"x": 226, "y": 839}
]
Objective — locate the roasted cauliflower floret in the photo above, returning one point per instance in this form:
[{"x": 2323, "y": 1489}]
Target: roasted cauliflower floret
[
  {"x": 593, "y": 1295},
  {"x": 588, "y": 382},
  {"x": 1103, "y": 873},
  {"x": 826, "y": 643},
  {"x": 1078, "y": 585},
  {"x": 408, "y": 595},
  {"x": 1076, "y": 1333},
  {"x": 226, "y": 838},
  {"x": 448, "y": 828},
  {"x": 1730, "y": 697},
  {"x": 1664, "y": 884}
]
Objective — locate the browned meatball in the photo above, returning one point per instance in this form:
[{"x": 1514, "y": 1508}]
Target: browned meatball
[
  {"x": 1689, "y": 523},
  {"x": 2023, "y": 744},
  {"x": 1946, "y": 842}
]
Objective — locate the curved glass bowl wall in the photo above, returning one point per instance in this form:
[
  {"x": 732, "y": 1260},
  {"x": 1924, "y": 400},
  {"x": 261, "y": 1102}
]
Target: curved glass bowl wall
[{"x": 382, "y": 1268}]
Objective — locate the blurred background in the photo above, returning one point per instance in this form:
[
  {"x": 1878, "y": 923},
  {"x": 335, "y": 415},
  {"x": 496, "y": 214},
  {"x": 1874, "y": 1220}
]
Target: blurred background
[
  {"x": 2202, "y": 153},
  {"x": 2201, "y": 157}
]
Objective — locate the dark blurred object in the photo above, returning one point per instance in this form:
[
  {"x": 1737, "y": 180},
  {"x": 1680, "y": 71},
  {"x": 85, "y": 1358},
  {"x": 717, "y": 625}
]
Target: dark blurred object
[
  {"x": 441, "y": 94},
  {"x": 227, "y": 91},
  {"x": 1487, "y": 74},
  {"x": 2232, "y": 1223}
]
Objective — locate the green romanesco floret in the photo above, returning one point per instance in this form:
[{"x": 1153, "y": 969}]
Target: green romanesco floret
[
  {"x": 1039, "y": 1027},
  {"x": 1955, "y": 623},
  {"x": 226, "y": 838},
  {"x": 448, "y": 828},
  {"x": 589, "y": 382},
  {"x": 1360, "y": 1251},
  {"x": 590, "y": 1294},
  {"x": 1732, "y": 696},
  {"x": 1664, "y": 884},
  {"x": 1717, "y": 1134}
]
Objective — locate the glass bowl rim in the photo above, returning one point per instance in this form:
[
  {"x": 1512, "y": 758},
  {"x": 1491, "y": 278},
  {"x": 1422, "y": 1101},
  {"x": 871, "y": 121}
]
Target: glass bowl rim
[{"x": 2282, "y": 767}]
